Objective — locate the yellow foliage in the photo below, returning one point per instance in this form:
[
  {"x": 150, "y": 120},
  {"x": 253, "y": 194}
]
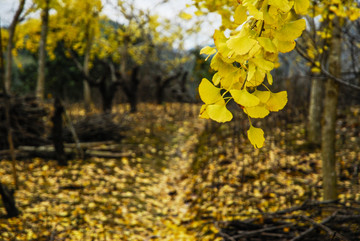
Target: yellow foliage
[
  {"x": 256, "y": 136},
  {"x": 260, "y": 30}
]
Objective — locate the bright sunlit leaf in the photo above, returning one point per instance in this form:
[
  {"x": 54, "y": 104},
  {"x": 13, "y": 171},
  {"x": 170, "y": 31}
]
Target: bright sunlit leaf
[
  {"x": 301, "y": 6},
  {"x": 203, "y": 112},
  {"x": 277, "y": 101},
  {"x": 291, "y": 30},
  {"x": 262, "y": 95},
  {"x": 208, "y": 92},
  {"x": 259, "y": 111},
  {"x": 219, "y": 113},
  {"x": 256, "y": 136},
  {"x": 267, "y": 44},
  {"x": 244, "y": 98},
  {"x": 263, "y": 64},
  {"x": 269, "y": 78},
  {"x": 240, "y": 15},
  {"x": 284, "y": 46},
  {"x": 241, "y": 45},
  {"x": 208, "y": 51},
  {"x": 283, "y": 5}
]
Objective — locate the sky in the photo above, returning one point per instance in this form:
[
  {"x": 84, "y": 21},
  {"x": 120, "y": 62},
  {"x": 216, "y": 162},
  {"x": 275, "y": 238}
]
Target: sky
[{"x": 164, "y": 10}]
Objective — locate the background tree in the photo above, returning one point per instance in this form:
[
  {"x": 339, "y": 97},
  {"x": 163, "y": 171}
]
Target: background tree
[
  {"x": 40, "y": 86},
  {"x": 10, "y": 45},
  {"x": 334, "y": 17},
  {"x": 83, "y": 17}
]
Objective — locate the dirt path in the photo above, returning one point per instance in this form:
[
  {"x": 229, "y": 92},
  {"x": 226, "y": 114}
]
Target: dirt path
[{"x": 170, "y": 141}]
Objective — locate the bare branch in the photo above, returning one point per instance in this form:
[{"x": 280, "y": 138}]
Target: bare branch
[{"x": 324, "y": 71}]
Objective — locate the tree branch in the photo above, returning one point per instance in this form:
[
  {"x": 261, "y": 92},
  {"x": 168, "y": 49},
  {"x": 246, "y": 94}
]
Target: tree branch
[
  {"x": 92, "y": 81},
  {"x": 325, "y": 72}
]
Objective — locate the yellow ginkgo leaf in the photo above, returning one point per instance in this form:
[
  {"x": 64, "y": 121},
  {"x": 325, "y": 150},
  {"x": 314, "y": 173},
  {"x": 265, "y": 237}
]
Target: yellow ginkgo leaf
[
  {"x": 269, "y": 78},
  {"x": 253, "y": 11},
  {"x": 254, "y": 50},
  {"x": 251, "y": 71},
  {"x": 216, "y": 78},
  {"x": 240, "y": 15},
  {"x": 277, "y": 101},
  {"x": 220, "y": 43},
  {"x": 203, "y": 112},
  {"x": 268, "y": 17},
  {"x": 258, "y": 111},
  {"x": 301, "y": 6},
  {"x": 227, "y": 81},
  {"x": 292, "y": 30},
  {"x": 208, "y": 51},
  {"x": 256, "y": 136},
  {"x": 241, "y": 45},
  {"x": 209, "y": 94},
  {"x": 283, "y": 5},
  {"x": 284, "y": 46},
  {"x": 257, "y": 79},
  {"x": 244, "y": 98},
  {"x": 218, "y": 64},
  {"x": 267, "y": 44},
  {"x": 263, "y": 63},
  {"x": 262, "y": 95},
  {"x": 219, "y": 113}
]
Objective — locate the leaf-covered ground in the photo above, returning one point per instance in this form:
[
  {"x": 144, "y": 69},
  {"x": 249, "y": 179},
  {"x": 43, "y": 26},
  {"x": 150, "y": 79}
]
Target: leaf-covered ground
[{"x": 185, "y": 176}]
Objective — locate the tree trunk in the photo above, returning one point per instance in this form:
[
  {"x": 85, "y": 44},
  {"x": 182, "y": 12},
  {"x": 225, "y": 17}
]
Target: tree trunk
[
  {"x": 133, "y": 104},
  {"x": 87, "y": 96},
  {"x": 8, "y": 200},
  {"x": 40, "y": 86},
  {"x": 159, "y": 91},
  {"x": 315, "y": 111},
  {"x": 87, "y": 90},
  {"x": 161, "y": 85},
  {"x": 57, "y": 131},
  {"x": 8, "y": 119},
  {"x": 330, "y": 107},
  {"x": 2, "y": 77},
  {"x": 10, "y": 45},
  {"x": 107, "y": 91},
  {"x": 131, "y": 89},
  {"x": 135, "y": 81}
]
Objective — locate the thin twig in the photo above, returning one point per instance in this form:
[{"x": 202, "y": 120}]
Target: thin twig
[
  {"x": 258, "y": 231},
  {"x": 221, "y": 233},
  {"x": 325, "y": 72},
  {"x": 327, "y": 229}
]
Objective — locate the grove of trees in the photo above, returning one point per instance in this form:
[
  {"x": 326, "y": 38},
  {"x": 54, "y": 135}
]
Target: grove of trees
[
  {"x": 175, "y": 142},
  {"x": 107, "y": 54}
]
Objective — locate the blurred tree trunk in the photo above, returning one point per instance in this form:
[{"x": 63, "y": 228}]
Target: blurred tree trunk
[
  {"x": 161, "y": 85},
  {"x": 40, "y": 86},
  {"x": 8, "y": 129},
  {"x": 86, "y": 85},
  {"x": 8, "y": 200},
  {"x": 57, "y": 132},
  {"x": 10, "y": 45},
  {"x": 132, "y": 90},
  {"x": 107, "y": 89},
  {"x": 330, "y": 107},
  {"x": 2, "y": 76},
  {"x": 315, "y": 111}
]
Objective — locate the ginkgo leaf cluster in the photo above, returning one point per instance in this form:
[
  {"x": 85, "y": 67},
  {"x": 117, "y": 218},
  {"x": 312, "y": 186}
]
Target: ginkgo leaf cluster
[{"x": 246, "y": 58}]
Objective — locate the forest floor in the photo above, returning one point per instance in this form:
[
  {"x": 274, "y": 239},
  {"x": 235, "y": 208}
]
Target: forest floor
[{"x": 185, "y": 178}]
